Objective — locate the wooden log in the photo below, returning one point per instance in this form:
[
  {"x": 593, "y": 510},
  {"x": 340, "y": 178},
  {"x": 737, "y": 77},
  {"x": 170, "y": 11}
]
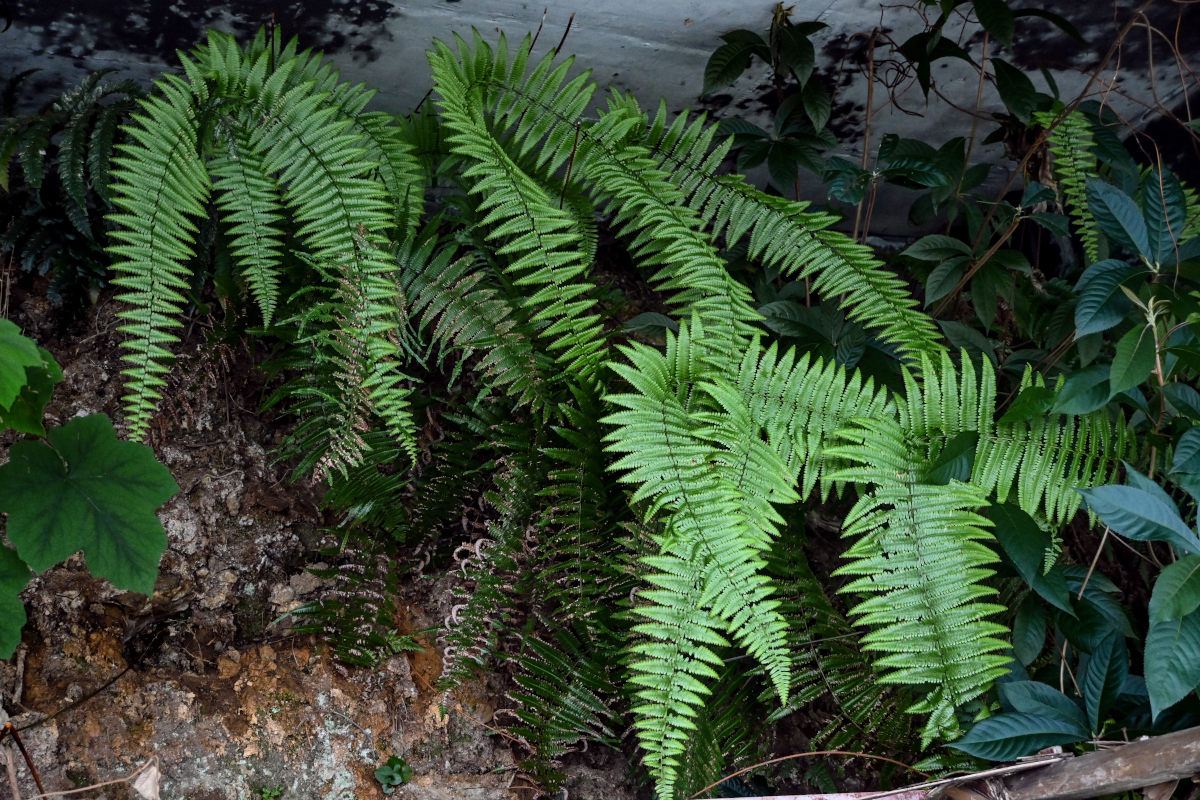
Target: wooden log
[{"x": 1129, "y": 766}]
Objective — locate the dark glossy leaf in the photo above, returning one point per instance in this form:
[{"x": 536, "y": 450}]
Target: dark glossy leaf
[
  {"x": 1102, "y": 304},
  {"x": 651, "y": 321},
  {"x": 956, "y": 460},
  {"x": 1034, "y": 697},
  {"x": 996, "y": 18},
  {"x": 1006, "y": 737},
  {"x": 944, "y": 278},
  {"x": 1133, "y": 360},
  {"x": 1102, "y": 675},
  {"x": 1173, "y": 660},
  {"x": 1187, "y": 452},
  {"x": 1136, "y": 513},
  {"x": 1036, "y": 193},
  {"x": 847, "y": 181},
  {"x": 1058, "y": 224},
  {"x": 1016, "y": 90},
  {"x": 965, "y": 337},
  {"x": 1177, "y": 590},
  {"x": 1025, "y": 544},
  {"x": 1057, "y": 20},
  {"x": 936, "y": 247},
  {"x": 1083, "y": 391},
  {"x": 817, "y": 103},
  {"x": 89, "y": 491},
  {"x": 1184, "y": 398},
  {"x": 1032, "y": 402},
  {"x": 727, "y": 63},
  {"x": 796, "y": 51},
  {"x": 1164, "y": 208},
  {"x": 740, "y": 129},
  {"x": 1029, "y": 630},
  {"x": 1118, "y": 217},
  {"x": 16, "y": 353},
  {"x": 25, "y": 412}
]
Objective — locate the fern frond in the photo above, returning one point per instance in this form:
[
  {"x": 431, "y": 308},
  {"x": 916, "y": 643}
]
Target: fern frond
[
  {"x": 784, "y": 236},
  {"x": 1070, "y": 141},
  {"x": 162, "y": 185},
  {"x": 250, "y": 200},
  {"x": 540, "y": 239},
  {"x": 449, "y": 299},
  {"x": 920, "y": 561}
]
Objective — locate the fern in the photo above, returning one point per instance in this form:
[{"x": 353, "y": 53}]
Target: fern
[
  {"x": 283, "y": 138},
  {"x": 1070, "y": 141}
]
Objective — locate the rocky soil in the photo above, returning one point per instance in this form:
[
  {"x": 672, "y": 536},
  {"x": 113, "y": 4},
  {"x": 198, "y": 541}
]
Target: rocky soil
[{"x": 206, "y": 678}]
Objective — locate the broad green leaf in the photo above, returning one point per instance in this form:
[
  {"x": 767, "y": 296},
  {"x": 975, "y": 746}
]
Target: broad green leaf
[
  {"x": 1187, "y": 452},
  {"x": 1033, "y": 697},
  {"x": 1083, "y": 391},
  {"x": 16, "y": 353},
  {"x": 955, "y": 461},
  {"x": 1118, "y": 217},
  {"x": 798, "y": 54},
  {"x": 1016, "y": 90},
  {"x": 1036, "y": 193},
  {"x": 1173, "y": 660},
  {"x": 936, "y": 247},
  {"x": 14, "y": 577},
  {"x": 966, "y": 337},
  {"x": 1032, "y": 402},
  {"x": 1133, "y": 360},
  {"x": 88, "y": 491},
  {"x": 1177, "y": 590},
  {"x": 727, "y": 63},
  {"x": 1025, "y": 544},
  {"x": 847, "y": 181},
  {"x": 25, "y": 412},
  {"x": 944, "y": 278},
  {"x": 1029, "y": 630},
  {"x": 1058, "y": 224},
  {"x": 996, "y": 18},
  {"x": 1102, "y": 304},
  {"x": 1102, "y": 675},
  {"x": 652, "y": 322},
  {"x": 1138, "y": 514},
  {"x": 1006, "y": 737},
  {"x": 817, "y": 103},
  {"x": 1057, "y": 20},
  {"x": 1164, "y": 208},
  {"x": 1184, "y": 398}
]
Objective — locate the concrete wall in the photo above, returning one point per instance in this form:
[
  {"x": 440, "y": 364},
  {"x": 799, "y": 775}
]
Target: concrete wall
[{"x": 653, "y": 48}]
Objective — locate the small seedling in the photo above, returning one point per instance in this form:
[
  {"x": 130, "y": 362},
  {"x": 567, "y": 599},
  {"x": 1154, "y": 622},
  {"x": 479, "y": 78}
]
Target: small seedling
[
  {"x": 265, "y": 793},
  {"x": 395, "y": 772}
]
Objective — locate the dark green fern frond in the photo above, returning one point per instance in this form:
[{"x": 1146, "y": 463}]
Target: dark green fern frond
[
  {"x": 250, "y": 199},
  {"x": 161, "y": 187},
  {"x": 1045, "y": 458},
  {"x": 450, "y": 300},
  {"x": 563, "y": 692},
  {"x": 784, "y": 236},
  {"x": 699, "y": 460},
  {"x": 829, "y": 665},
  {"x": 541, "y": 240}
]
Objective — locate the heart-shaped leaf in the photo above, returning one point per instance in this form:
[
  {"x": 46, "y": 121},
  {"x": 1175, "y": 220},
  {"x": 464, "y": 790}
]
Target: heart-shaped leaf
[
  {"x": 14, "y": 576},
  {"x": 16, "y": 353},
  {"x": 88, "y": 491}
]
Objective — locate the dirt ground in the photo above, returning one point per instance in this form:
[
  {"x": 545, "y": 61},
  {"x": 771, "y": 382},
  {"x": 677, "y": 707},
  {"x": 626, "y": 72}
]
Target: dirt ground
[{"x": 206, "y": 678}]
